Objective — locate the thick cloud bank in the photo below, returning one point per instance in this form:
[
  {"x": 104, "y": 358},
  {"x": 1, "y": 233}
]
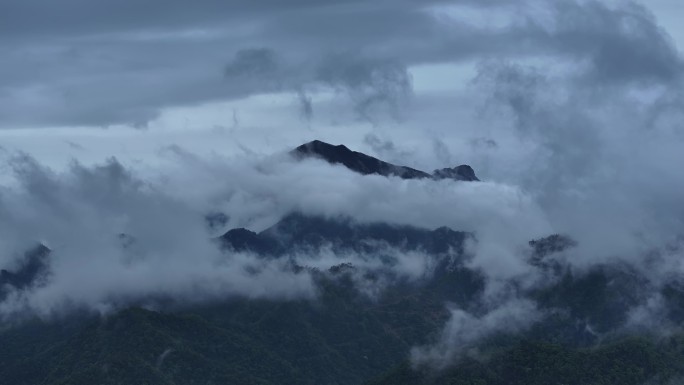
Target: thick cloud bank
[
  {"x": 116, "y": 239},
  {"x": 140, "y": 58}
]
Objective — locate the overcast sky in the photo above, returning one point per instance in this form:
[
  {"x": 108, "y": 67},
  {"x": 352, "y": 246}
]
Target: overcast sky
[{"x": 91, "y": 79}]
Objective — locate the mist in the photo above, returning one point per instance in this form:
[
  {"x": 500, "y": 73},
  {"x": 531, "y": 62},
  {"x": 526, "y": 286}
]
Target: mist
[{"x": 570, "y": 113}]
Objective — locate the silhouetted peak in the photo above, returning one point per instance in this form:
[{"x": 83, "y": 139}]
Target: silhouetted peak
[
  {"x": 327, "y": 151},
  {"x": 355, "y": 161},
  {"x": 462, "y": 173},
  {"x": 240, "y": 234},
  {"x": 319, "y": 145},
  {"x": 247, "y": 241},
  {"x": 365, "y": 164}
]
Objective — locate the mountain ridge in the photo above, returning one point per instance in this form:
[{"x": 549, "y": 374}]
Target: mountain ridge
[
  {"x": 365, "y": 318},
  {"x": 367, "y": 165},
  {"x": 297, "y": 231}
]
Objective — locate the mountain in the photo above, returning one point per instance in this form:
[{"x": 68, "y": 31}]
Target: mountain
[
  {"x": 31, "y": 267},
  {"x": 297, "y": 232},
  {"x": 462, "y": 173},
  {"x": 341, "y": 337},
  {"x": 345, "y": 337},
  {"x": 365, "y": 164},
  {"x": 365, "y": 318}
]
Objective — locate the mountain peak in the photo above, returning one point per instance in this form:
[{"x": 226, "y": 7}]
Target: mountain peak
[
  {"x": 462, "y": 172},
  {"x": 365, "y": 164},
  {"x": 355, "y": 161}
]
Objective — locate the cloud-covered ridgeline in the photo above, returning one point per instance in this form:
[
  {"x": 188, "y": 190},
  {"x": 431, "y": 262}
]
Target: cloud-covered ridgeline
[
  {"x": 574, "y": 117},
  {"x": 168, "y": 252},
  {"x": 80, "y": 213}
]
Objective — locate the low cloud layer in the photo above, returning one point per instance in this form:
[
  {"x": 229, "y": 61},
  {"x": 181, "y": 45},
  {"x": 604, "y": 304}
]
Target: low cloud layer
[
  {"x": 168, "y": 250},
  {"x": 80, "y": 215},
  {"x": 465, "y": 331}
]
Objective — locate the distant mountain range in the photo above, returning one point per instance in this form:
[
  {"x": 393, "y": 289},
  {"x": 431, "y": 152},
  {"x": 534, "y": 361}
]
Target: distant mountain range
[{"x": 344, "y": 336}]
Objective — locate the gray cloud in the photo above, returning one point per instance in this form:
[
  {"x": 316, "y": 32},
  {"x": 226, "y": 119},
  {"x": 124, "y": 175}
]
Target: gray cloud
[
  {"x": 306, "y": 106},
  {"x": 78, "y": 214},
  {"x": 256, "y": 62},
  {"x": 139, "y": 59},
  {"x": 370, "y": 84},
  {"x": 598, "y": 165},
  {"x": 622, "y": 44},
  {"x": 465, "y": 331}
]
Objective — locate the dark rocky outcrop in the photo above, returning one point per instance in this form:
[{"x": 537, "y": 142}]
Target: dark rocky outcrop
[
  {"x": 463, "y": 173},
  {"x": 366, "y": 165}
]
